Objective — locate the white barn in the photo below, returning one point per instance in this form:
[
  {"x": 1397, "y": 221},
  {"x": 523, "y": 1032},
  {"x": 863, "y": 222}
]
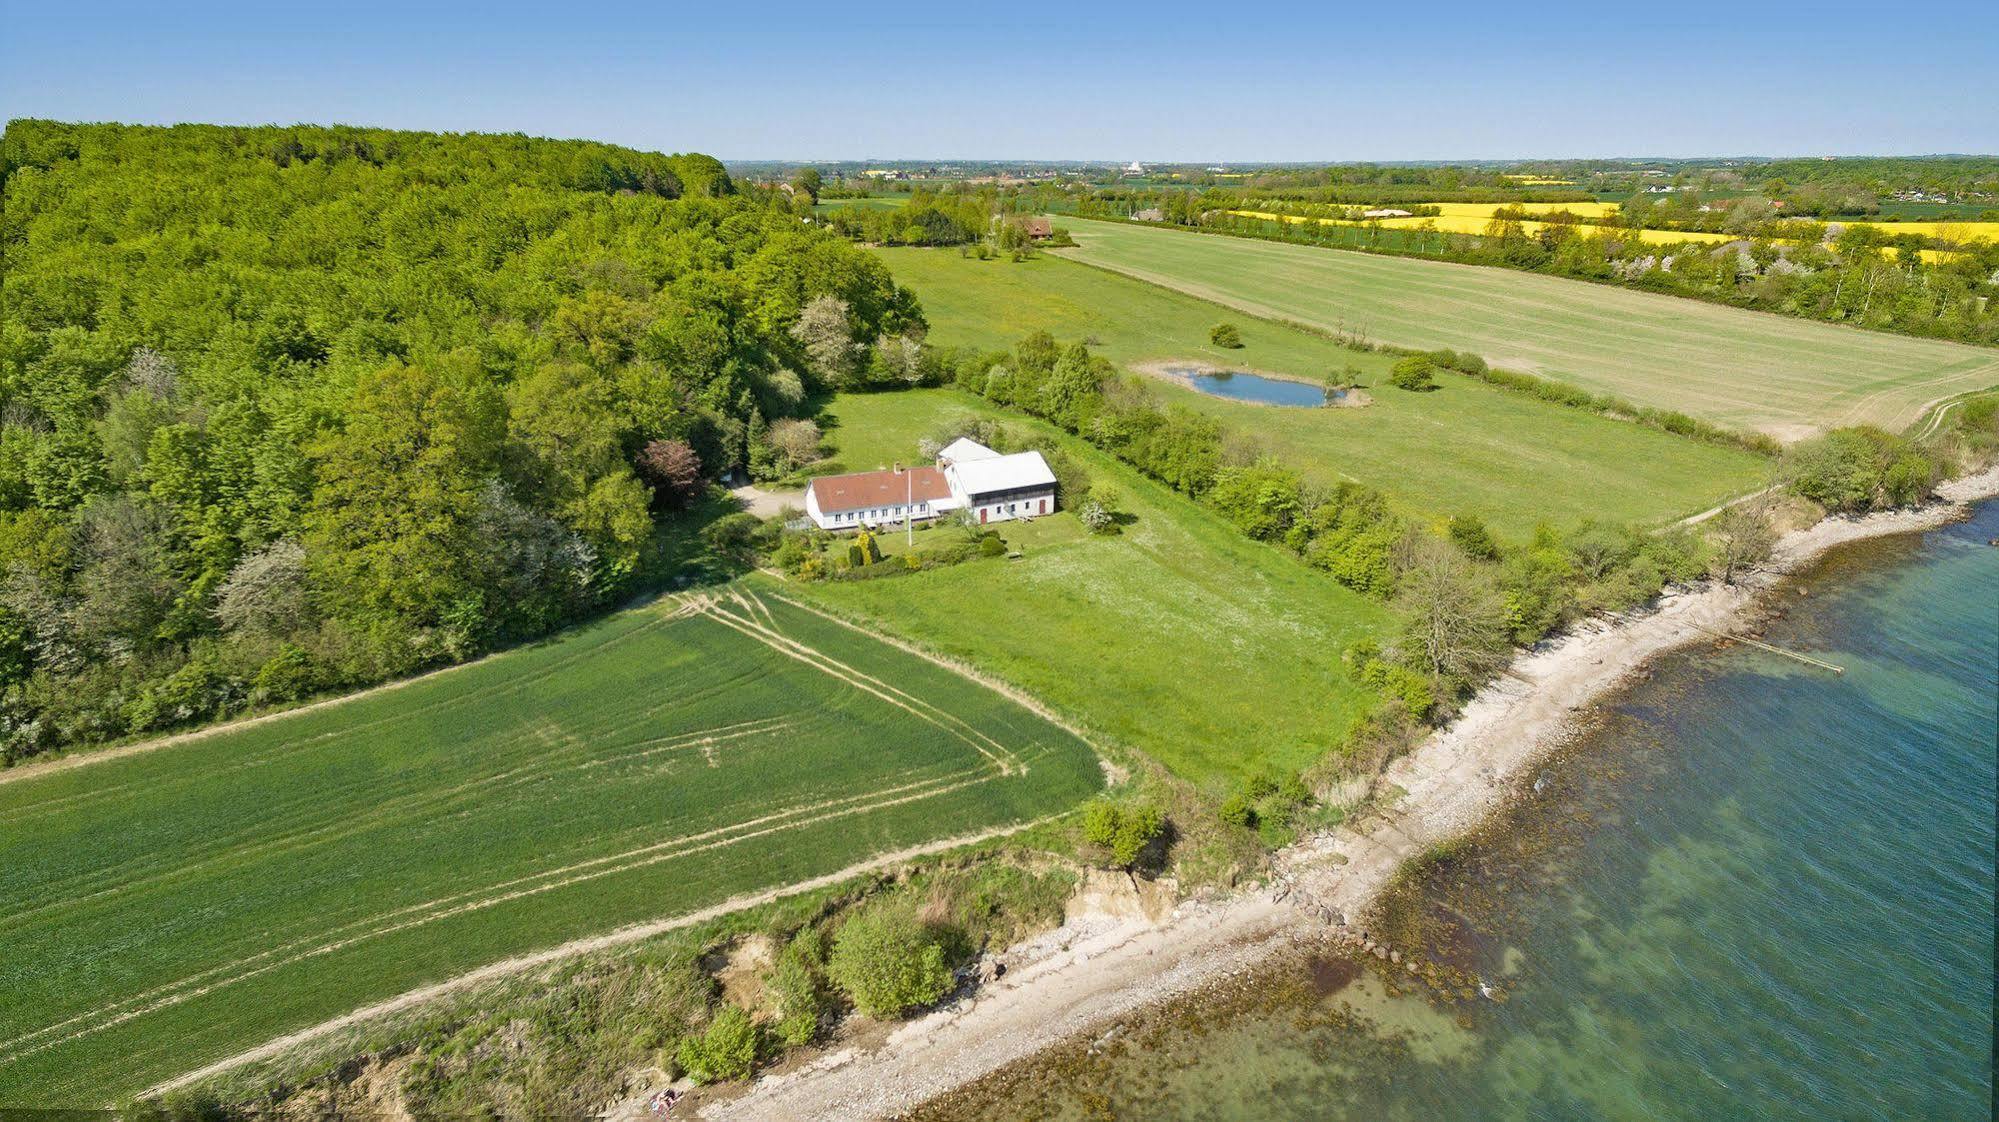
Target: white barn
[{"x": 969, "y": 476}]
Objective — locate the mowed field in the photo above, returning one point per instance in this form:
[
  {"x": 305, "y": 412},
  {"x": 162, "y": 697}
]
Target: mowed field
[
  {"x": 167, "y": 908},
  {"x": 1214, "y": 654},
  {"x": 1785, "y": 376},
  {"x": 1468, "y": 448}
]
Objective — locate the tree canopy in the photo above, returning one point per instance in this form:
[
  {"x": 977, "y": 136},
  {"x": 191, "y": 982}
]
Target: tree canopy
[{"x": 416, "y": 371}]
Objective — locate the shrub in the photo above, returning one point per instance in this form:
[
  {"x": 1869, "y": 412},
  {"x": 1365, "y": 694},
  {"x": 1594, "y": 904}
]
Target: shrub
[
  {"x": 1263, "y": 499},
  {"x": 1239, "y": 810},
  {"x": 887, "y": 963},
  {"x": 1468, "y": 533},
  {"x": 991, "y": 546},
  {"x": 1909, "y": 479},
  {"x": 1416, "y": 372},
  {"x": 1225, "y": 335},
  {"x": 1842, "y": 470},
  {"x": 1122, "y": 833},
  {"x": 732, "y": 535},
  {"x": 801, "y": 998},
  {"x": 726, "y": 1050},
  {"x": 1411, "y": 689}
]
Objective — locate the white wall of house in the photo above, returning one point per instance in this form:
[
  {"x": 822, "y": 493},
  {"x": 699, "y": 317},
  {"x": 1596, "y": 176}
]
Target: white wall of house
[
  {"x": 870, "y": 516},
  {"x": 1030, "y": 506}
]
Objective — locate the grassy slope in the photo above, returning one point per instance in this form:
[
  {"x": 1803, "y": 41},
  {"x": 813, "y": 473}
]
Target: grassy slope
[
  {"x": 1466, "y": 449},
  {"x": 1180, "y": 638},
  {"x": 1741, "y": 368},
  {"x": 357, "y": 829}
]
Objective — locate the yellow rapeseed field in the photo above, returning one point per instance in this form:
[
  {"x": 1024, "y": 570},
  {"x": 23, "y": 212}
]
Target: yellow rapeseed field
[
  {"x": 1469, "y": 224},
  {"x": 1484, "y": 210},
  {"x": 1949, "y": 231},
  {"x": 1472, "y": 218}
]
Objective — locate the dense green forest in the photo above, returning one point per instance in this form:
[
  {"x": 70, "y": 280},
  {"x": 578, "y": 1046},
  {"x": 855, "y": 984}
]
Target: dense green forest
[{"x": 285, "y": 410}]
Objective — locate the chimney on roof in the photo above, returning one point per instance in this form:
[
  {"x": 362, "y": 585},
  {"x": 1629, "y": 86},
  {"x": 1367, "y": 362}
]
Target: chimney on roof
[{"x": 898, "y": 467}]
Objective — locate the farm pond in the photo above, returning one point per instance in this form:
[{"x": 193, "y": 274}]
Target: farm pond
[{"x": 1238, "y": 385}]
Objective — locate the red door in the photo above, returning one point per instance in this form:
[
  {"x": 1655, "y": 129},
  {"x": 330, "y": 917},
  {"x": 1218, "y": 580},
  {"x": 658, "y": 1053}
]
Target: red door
[
  {"x": 982, "y": 516},
  {"x": 1044, "y": 506}
]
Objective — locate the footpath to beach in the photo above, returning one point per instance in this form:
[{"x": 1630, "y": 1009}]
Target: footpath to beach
[{"x": 1109, "y": 962}]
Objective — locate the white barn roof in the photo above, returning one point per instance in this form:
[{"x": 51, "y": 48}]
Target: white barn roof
[
  {"x": 1003, "y": 473},
  {"x": 965, "y": 449}
]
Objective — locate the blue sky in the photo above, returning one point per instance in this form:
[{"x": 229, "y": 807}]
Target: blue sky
[{"x": 1436, "y": 79}]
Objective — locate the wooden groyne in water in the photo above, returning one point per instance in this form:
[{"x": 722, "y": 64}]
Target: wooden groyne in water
[{"x": 1773, "y": 649}]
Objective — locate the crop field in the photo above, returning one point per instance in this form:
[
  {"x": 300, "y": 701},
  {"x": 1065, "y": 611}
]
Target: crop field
[
  {"x": 1785, "y": 376},
  {"x": 166, "y": 908},
  {"x": 1178, "y": 637},
  {"x": 1485, "y": 210},
  {"x": 1468, "y": 448},
  {"x": 1470, "y": 218},
  {"x": 864, "y": 202},
  {"x": 1448, "y": 223}
]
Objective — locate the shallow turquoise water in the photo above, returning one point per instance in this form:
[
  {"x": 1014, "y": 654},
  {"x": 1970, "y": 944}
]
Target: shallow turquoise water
[{"x": 1759, "y": 890}]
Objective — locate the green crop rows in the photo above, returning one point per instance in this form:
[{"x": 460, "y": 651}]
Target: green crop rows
[{"x": 168, "y": 908}]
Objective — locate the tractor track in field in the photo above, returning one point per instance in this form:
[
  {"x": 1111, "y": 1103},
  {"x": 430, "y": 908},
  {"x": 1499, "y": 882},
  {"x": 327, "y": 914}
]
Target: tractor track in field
[
  {"x": 536, "y": 770},
  {"x": 1005, "y": 689},
  {"x": 1001, "y": 756},
  {"x": 575, "y": 948},
  {"x": 445, "y": 907}
]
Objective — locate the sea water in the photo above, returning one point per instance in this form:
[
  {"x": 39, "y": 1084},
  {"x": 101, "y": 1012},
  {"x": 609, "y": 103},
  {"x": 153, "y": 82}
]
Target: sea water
[{"x": 1756, "y": 889}]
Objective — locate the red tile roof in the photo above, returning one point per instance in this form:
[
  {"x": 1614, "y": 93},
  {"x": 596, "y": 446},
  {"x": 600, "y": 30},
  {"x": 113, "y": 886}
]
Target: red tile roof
[{"x": 869, "y": 490}]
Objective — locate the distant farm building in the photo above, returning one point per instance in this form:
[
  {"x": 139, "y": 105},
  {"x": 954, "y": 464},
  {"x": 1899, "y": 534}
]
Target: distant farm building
[
  {"x": 1385, "y": 212},
  {"x": 968, "y": 476},
  {"x": 1150, "y": 214},
  {"x": 1039, "y": 229}
]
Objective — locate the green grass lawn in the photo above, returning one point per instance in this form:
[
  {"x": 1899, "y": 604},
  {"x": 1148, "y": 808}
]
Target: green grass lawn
[
  {"x": 1180, "y": 638},
  {"x": 1780, "y": 374},
  {"x": 1468, "y": 448},
  {"x": 170, "y": 908}
]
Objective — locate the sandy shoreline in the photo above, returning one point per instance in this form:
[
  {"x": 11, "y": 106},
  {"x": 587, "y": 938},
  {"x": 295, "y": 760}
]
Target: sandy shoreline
[{"x": 1098, "y": 967}]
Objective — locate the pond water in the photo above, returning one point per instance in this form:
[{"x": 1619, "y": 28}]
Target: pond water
[
  {"x": 1239, "y": 386},
  {"x": 1754, "y": 890}
]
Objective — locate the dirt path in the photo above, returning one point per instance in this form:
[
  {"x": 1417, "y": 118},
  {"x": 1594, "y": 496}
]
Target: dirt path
[
  {"x": 576, "y": 948},
  {"x": 1451, "y": 782},
  {"x": 1703, "y": 516},
  {"x": 764, "y": 503}
]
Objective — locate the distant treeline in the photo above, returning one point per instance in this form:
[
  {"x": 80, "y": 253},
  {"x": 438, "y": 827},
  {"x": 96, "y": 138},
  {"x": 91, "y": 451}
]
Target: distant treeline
[{"x": 285, "y": 410}]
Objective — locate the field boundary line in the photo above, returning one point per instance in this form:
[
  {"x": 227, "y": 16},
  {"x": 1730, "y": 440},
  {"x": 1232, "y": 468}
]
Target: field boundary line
[
  {"x": 577, "y": 948},
  {"x": 964, "y": 670}
]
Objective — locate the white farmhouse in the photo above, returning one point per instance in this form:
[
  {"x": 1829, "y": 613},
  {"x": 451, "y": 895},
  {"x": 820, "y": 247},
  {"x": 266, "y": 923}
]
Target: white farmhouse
[{"x": 969, "y": 476}]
